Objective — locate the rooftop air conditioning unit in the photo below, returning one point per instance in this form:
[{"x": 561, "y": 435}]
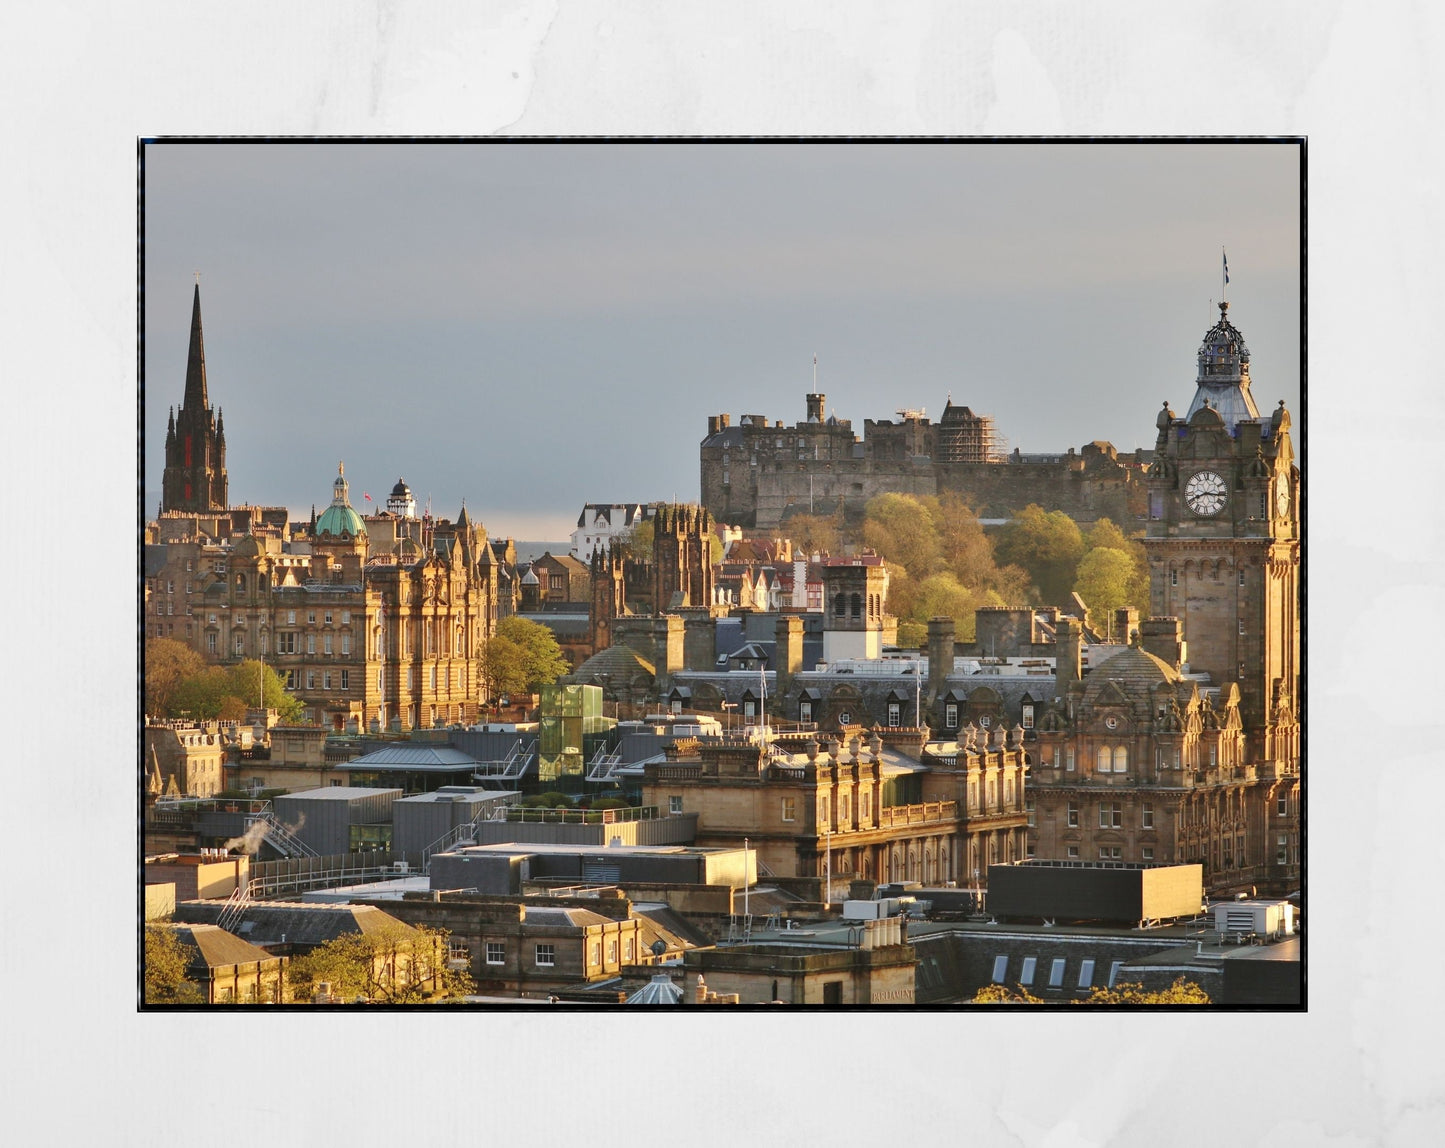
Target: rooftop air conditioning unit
[{"x": 400, "y": 867}]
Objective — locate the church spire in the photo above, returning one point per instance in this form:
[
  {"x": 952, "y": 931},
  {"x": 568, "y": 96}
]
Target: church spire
[{"x": 196, "y": 399}]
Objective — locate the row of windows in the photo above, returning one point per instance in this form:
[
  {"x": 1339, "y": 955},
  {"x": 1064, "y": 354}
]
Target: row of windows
[
  {"x": 545, "y": 953},
  {"x": 1057, "y": 971},
  {"x": 1111, "y": 815},
  {"x": 1106, "y": 853}
]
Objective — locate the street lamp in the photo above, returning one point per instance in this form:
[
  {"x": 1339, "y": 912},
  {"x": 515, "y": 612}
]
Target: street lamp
[{"x": 727, "y": 717}]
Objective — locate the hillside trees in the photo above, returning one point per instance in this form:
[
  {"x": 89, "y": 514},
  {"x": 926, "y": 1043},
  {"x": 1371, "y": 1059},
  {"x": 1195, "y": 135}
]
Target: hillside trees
[
  {"x": 1048, "y": 545},
  {"x": 1113, "y": 573},
  {"x": 940, "y": 563}
]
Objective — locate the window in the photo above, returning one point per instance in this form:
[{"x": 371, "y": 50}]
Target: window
[
  {"x": 433, "y": 677},
  {"x": 1241, "y": 626},
  {"x": 1086, "y": 974},
  {"x": 211, "y": 643},
  {"x": 345, "y": 680},
  {"x": 1056, "y": 973},
  {"x": 1069, "y": 759},
  {"x": 1281, "y": 805},
  {"x": 674, "y": 803},
  {"x": 1111, "y": 815},
  {"x": 291, "y": 617},
  {"x": 1281, "y": 849},
  {"x": 950, "y": 716},
  {"x": 310, "y": 679},
  {"x": 1072, "y": 852},
  {"x": 311, "y": 617},
  {"x": 789, "y": 808},
  {"x": 188, "y": 586},
  {"x": 1241, "y": 577},
  {"x": 893, "y": 715},
  {"x": 843, "y": 809},
  {"x": 1029, "y": 809},
  {"x": 1146, "y": 816},
  {"x": 240, "y": 644},
  {"x": 822, "y": 811},
  {"x": 546, "y": 955},
  {"x": 1000, "y": 969},
  {"x": 211, "y": 620},
  {"x": 497, "y": 953},
  {"x": 1027, "y": 976},
  {"x": 346, "y": 645},
  {"x": 1073, "y": 821},
  {"x": 1121, "y": 759},
  {"x": 1114, "y": 971},
  {"x": 596, "y": 952},
  {"x": 612, "y": 951},
  {"x": 380, "y": 681},
  {"x": 1147, "y": 853},
  {"x": 749, "y": 709},
  {"x": 1174, "y": 577},
  {"x": 627, "y": 950},
  {"x": 326, "y": 680},
  {"x": 1103, "y": 757},
  {"x": 290, "y": 679},
  {"x": 345, "y": 617},
  {"x": 286, "y": 642},
  {"x": 805, "y": 710},
  {"x": 326, "y": 643},
  {"x": 1028, "y": 719},
  {"x": 1109, "y": 853},
  {"x": 170, "y": 587},
  {"x": 865, "y": 805},
  {"x": 327, "y": 617}
]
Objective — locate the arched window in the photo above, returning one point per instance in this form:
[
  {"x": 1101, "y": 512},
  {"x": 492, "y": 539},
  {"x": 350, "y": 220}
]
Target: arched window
[
  {"x": 1121, "y": 759},
  {"x": 857, "y": 606},
  {"x": 1104, "y": 757},
  {"x": 840, "y": 604}
]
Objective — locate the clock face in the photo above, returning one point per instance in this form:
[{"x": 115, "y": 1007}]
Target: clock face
[
  {"x": 1281, "y": 500},
  {"x": 1206, "y": 493}
]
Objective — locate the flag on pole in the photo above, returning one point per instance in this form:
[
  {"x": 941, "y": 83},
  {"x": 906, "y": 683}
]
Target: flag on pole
[
  {"x": 1226, "y": 264},
  {"x": 366, "y": 496}
]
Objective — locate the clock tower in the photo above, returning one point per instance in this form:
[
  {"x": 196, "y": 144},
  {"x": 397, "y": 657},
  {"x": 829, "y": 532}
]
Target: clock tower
[{"x": 1223, "y": 543}]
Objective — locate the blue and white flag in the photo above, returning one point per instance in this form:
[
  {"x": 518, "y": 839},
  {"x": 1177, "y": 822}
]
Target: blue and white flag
[{"x": 1226, "y": 264}]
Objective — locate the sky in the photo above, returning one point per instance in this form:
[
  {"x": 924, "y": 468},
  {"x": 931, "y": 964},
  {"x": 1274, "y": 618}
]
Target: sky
[{"x": 529, "y": 327}]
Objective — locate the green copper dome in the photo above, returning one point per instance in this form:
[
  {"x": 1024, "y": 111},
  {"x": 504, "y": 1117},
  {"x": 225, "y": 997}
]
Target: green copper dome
[{"x": 338, "y": 519}]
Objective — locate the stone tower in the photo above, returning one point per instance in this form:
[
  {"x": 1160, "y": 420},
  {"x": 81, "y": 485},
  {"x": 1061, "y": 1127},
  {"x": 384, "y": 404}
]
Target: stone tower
[
  {"x": 1224, "y": 542},
  {"x": 609, "y": 595},
  {"x": 195, "y": 474},
  {"x": 681, "y": 558}
]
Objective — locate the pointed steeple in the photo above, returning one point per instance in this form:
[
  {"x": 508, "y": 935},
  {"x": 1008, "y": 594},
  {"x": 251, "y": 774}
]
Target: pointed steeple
[{"x": 196, "y": 399}]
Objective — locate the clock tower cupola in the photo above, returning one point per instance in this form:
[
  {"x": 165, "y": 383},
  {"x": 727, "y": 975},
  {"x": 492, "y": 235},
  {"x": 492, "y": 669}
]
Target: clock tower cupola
[{"x": 1223, "y": 541}]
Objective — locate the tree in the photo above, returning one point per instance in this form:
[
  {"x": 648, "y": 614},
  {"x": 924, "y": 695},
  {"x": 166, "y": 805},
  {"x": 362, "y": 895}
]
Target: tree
[
  {"x": 167, "y": 664},
  {"x": 256, "y": 683},
  {"x": 504, "y": 666},
  {"x": 1105, "y": 583},
  {"x": 200, "y": 695},
  {"x": 811, "y": 533},
  {"x": 1046, "y": 544},
  {"x": 164, "y": 968},
  {"x": 637, "y": 542},
  {"x": 395, "y": 964},
  {"x": 542, "y": 659},
  {"x": 900, "y": 528},
  {"x": 1181, "y": 992}
]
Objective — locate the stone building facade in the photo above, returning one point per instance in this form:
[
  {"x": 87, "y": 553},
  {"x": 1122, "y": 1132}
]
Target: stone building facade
[
  {"x": 819, "y": 809},
  {"x": 756, "y": 473},
  {"x": 1186, "y": 747},
  {"x": 371, "y": 638}
]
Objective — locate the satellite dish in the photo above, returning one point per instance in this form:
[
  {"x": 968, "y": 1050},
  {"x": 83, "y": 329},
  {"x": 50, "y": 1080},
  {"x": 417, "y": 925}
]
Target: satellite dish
[{"x": 658, "y": 947}]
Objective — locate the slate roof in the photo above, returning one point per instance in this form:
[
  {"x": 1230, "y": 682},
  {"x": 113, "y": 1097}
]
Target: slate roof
[
  {"x": 1135, "y": 671},
  {"x": 417, "y": 756},
  {"x": 302, "y": 924},
  {"x": 214, "y": 948},
  {"x": 615, "y": 661},
  {"x": 577, "y": 918}
]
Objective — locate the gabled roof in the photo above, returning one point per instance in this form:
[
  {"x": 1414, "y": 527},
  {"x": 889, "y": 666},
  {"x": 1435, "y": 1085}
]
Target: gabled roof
[{"x": 214, "y": 948}]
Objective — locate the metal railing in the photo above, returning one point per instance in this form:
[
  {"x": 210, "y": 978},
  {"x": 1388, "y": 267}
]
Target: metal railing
[
  {"x": 603, "y": 764},
  {"x": 510, "y": 768}
]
